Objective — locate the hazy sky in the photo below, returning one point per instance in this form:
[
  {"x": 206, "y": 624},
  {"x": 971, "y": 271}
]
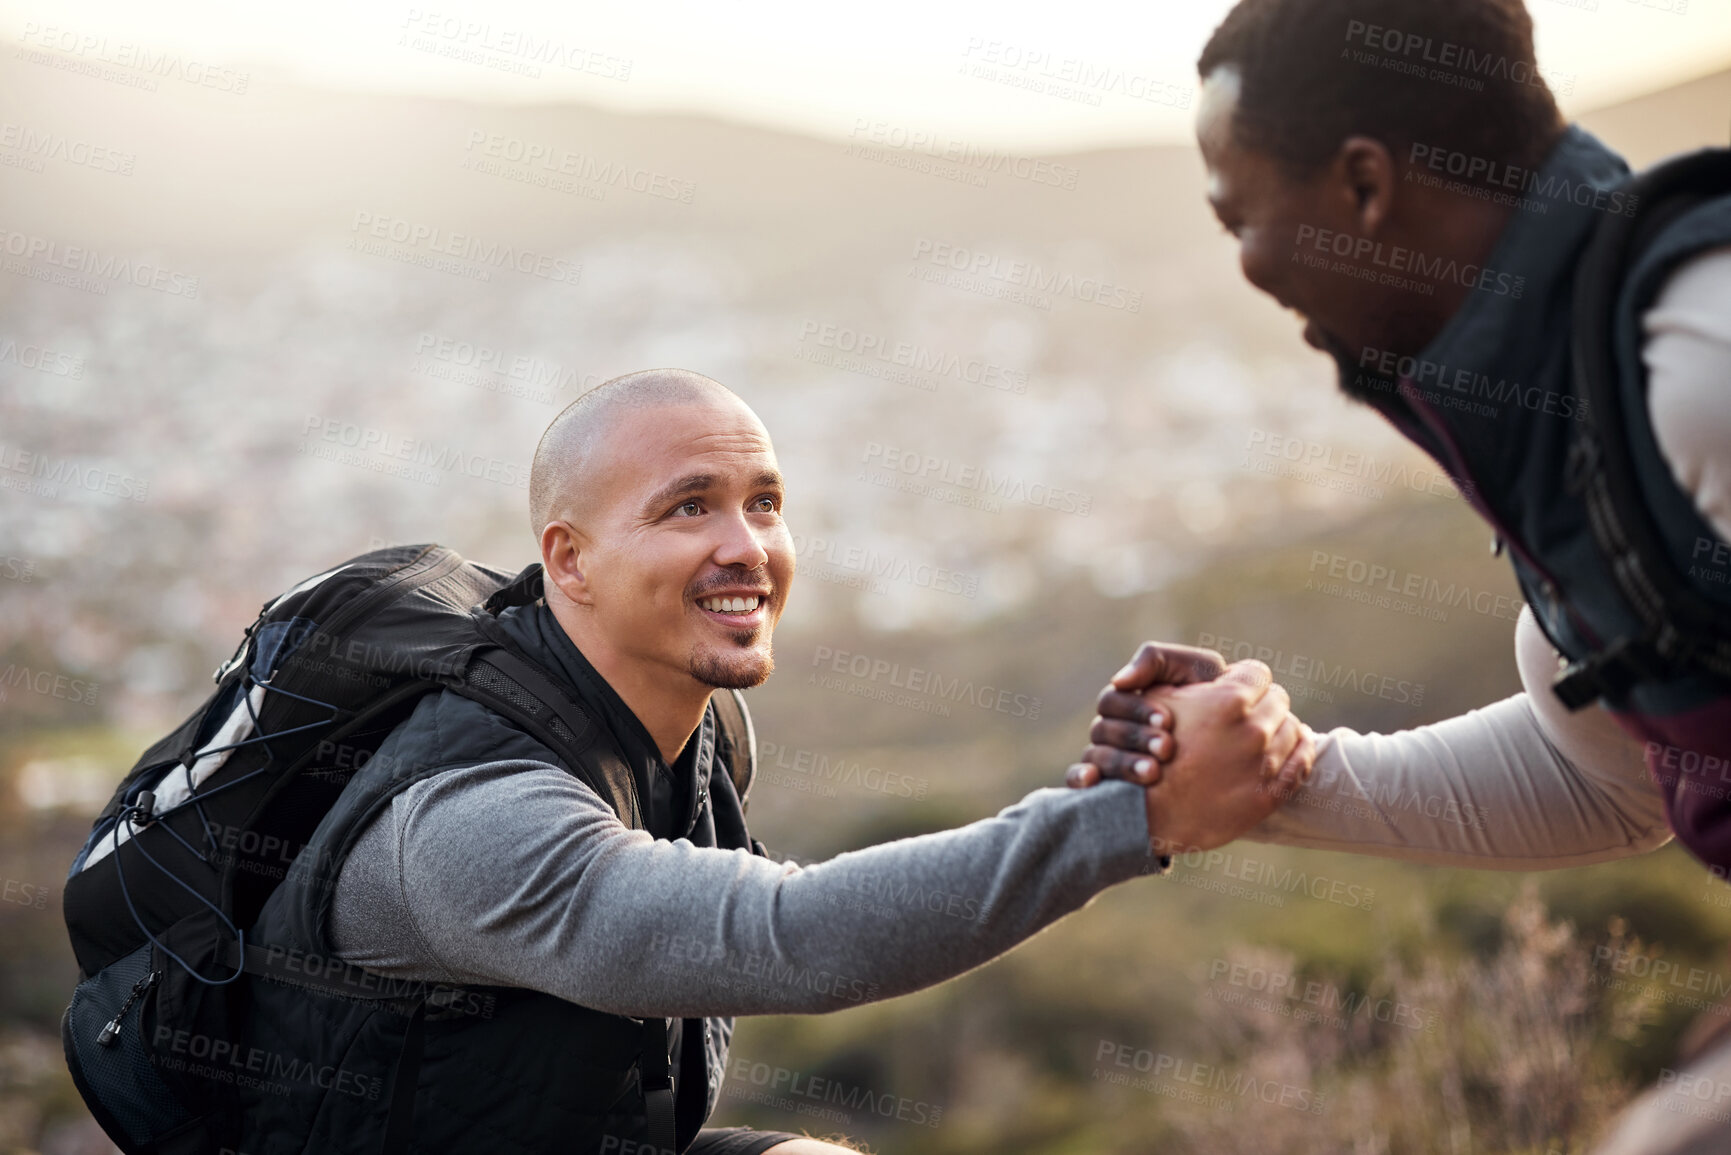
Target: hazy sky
[{"x": 967, "y": 70}]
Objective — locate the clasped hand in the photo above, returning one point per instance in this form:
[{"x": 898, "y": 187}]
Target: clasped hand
[{"x": 1216, "y": 746}]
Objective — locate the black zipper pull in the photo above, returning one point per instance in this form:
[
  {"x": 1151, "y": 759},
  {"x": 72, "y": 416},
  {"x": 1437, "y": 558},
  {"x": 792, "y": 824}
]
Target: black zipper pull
[{"x": 111, "y": 1032}]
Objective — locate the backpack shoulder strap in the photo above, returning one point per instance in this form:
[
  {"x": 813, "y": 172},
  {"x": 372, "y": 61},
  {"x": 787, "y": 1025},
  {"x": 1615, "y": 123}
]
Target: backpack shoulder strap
[
  {"x": 736, "y": 741},
  {"x": 511, "y": 684},
  {"x": 1683, "y": 631},
  {"x": 517, "y": 688}
]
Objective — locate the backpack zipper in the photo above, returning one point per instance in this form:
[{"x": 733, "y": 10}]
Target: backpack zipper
[{"x": 111, "y": 1031}]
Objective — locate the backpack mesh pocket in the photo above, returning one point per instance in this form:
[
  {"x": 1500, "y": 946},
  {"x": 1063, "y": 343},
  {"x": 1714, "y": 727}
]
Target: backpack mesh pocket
[{"x": 119, "y": 1078}]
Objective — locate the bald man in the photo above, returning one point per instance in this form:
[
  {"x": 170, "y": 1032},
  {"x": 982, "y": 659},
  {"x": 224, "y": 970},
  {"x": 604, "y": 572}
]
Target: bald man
[{"x": 656, "y": 500}]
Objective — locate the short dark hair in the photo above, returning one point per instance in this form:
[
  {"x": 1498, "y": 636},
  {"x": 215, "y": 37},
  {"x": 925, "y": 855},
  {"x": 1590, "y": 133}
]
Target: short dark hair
[{"x": 1453, "y": 74}]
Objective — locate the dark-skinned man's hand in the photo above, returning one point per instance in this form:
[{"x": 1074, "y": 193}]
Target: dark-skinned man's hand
[
  {"x": 1132, "y": 735},
  {"x": 1131, "y": 722},
  {"x": 1243, "y": 753}
]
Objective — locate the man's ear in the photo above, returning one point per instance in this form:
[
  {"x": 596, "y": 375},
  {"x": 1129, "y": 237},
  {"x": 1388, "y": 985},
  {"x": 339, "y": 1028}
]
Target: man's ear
[
  {"x": 1364, "y": 173},
  {"x": 564, "y": 564}
]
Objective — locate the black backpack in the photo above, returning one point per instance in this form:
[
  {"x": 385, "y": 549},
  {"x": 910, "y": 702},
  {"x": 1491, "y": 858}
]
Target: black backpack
[
  {"x": 1683, "y": 631},
  {"x": 207, "y": 823}
]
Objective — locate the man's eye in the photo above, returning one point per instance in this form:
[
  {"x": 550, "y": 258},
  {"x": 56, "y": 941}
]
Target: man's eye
[
  {"x": 688, "y": 509},
  {"x": 765, "y": 504}
]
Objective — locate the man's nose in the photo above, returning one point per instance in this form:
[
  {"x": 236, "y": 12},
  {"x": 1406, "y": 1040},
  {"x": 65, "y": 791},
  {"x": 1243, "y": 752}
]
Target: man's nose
[{"x": 741, "y": 544}]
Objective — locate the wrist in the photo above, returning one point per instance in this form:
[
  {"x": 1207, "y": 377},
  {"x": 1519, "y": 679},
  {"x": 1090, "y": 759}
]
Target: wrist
[
  {"x": 1158, "y": 854},
  {"x": 1160, "y": 846}
]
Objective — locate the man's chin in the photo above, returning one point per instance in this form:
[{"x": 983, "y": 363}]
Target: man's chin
[
  {"x": 1319, "y": 338},
  {"x": 1352, "y": 381},
  {"x": 736, "y": 670}
]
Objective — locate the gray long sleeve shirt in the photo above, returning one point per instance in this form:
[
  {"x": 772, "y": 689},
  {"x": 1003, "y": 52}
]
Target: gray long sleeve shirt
[{"x": 517, "y": 874}]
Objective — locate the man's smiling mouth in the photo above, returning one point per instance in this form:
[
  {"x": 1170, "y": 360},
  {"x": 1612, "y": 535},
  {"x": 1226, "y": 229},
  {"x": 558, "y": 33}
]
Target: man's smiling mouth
[{"x": 731, "y": 605}]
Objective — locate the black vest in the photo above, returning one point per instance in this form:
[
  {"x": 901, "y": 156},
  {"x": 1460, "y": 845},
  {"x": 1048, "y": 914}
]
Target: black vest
[
  {"x": 1490, "y": 399},
  {"x": 501, "y": 1069}
]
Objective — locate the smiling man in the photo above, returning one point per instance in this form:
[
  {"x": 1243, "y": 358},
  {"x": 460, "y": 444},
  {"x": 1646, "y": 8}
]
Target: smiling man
[
  {"x": 623, "y": 498},
  {"x": 593, "y": 959},
  {"x": 1397, "y": 173}
]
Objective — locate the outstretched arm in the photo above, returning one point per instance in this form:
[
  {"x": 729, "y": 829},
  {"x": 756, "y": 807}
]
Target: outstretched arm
[
  {"x": 1490, "y": 789},
  {"x": 1521, "y": 784},
  {"x": 515, "y": 873}
]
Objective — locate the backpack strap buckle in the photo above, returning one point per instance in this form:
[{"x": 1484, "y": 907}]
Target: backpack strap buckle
[
  {"x": 522, "y": 590},
  {"x": 1608, "y": 673}
]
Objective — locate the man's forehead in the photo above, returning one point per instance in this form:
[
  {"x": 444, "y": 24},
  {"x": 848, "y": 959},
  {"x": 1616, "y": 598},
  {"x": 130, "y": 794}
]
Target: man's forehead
[
  {"x": 1215, "y": 110},
  {"x": 690, "y": 430},
  {"x": 653, "y": 446},
  {"x": 1214, "y": 136}
]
